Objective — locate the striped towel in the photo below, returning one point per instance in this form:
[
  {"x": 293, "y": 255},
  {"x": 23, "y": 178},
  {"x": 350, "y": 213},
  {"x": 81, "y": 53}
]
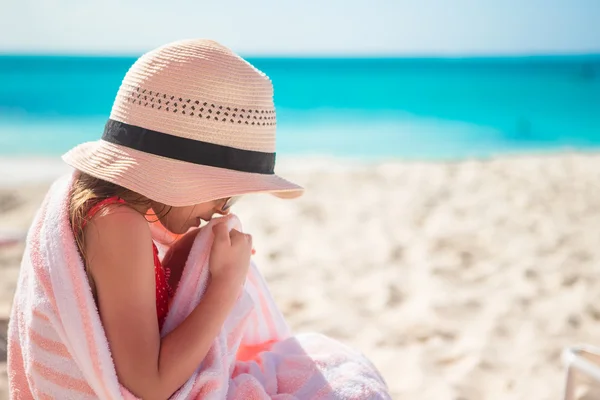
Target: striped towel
[{"x": 57, "y": 348}]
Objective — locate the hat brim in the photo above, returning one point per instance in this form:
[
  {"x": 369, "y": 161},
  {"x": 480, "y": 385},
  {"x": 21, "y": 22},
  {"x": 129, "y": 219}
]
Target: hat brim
[{"x": 171, "y": 182}]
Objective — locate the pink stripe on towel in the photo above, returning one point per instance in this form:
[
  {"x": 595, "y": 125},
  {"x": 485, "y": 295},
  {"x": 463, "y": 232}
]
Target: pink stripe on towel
[
  {"x": 64, "y": 381},
  {"x": 39, "y": 314},
  {"x": 20, "y": 388},
  {"x": 56, "y": 348}
]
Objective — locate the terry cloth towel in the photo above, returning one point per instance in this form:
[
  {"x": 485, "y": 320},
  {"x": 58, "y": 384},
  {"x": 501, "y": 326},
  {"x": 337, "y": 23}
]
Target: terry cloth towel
[{"x": 57, "y": 348}]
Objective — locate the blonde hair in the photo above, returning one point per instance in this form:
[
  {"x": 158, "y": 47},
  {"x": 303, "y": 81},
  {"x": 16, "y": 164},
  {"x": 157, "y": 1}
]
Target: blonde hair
[{"x": 86, "y": 192}]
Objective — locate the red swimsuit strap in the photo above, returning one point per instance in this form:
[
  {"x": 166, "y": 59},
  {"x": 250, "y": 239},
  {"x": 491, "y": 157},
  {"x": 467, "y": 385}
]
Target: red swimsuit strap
[{"x": 98, "y": 206}]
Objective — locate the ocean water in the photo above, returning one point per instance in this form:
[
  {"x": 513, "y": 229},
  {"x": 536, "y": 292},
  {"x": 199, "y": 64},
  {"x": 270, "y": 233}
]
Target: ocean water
[{"x": 405, "y": 108}]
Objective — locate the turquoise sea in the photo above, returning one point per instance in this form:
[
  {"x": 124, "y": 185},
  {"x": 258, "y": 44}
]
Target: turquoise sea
[{"x": 411, "y": 108}]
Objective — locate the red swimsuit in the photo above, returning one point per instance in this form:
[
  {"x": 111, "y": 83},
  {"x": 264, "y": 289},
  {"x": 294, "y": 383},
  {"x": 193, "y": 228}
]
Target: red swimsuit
[{"x": 163, "y": 290}]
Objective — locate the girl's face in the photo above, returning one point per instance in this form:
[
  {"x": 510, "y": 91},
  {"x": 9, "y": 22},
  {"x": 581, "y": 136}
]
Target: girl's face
[{"x": 179, "y": 220}]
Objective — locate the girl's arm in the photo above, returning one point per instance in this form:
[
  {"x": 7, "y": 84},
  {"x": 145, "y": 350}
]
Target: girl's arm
[{"x": 120, "y": 259}]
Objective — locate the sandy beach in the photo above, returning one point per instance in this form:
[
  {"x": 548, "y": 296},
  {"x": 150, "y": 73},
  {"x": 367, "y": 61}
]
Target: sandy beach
[{"x": 459, "y": 280}]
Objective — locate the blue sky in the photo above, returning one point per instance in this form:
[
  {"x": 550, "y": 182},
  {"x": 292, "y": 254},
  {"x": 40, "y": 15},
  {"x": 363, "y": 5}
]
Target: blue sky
[{"x": 308, "y": 27}]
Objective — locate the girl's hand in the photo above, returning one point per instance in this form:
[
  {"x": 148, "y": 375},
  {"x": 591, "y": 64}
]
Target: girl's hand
[{"x": 230, "y": 256}]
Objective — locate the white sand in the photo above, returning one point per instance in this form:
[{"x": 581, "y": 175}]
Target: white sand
[
  {"x": 459, "y": 281},
  {"x": 26, "y": 171}
]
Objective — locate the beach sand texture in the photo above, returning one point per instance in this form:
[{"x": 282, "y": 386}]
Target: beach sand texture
[{"x": 459, "y": 280}]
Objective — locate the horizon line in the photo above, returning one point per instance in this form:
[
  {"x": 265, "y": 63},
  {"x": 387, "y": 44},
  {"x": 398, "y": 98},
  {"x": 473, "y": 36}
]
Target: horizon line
[{"x": 331, "y": 56}]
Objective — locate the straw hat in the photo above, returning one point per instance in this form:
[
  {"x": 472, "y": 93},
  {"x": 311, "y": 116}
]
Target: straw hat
[{"x": 192, "y": 122}]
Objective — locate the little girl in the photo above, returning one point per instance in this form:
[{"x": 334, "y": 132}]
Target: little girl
[{"x": 192, "y": 128}]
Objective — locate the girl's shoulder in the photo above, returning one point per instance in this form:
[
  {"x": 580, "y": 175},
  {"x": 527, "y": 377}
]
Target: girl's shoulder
[
  {"x": 114, "y": 214},
  {"x": 118, "y": 229}
]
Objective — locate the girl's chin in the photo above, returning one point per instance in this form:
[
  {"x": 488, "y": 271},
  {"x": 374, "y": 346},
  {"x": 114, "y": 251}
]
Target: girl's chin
[
  {"x": 180, "y": 230},
  {"x": 195, "y": 223}
]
